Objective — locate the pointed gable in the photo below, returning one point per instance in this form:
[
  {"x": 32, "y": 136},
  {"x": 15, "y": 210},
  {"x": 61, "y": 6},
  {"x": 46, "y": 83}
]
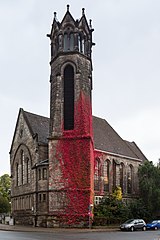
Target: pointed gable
[
  {"x": 83, "y": 24},
  {"x": 55, "y": 27},
  {"x": 37, "y": 126},
  {"x": 19, "y": 129},
  {"x": 22, "y": 132},
  {"x": 68, "y": 19}
]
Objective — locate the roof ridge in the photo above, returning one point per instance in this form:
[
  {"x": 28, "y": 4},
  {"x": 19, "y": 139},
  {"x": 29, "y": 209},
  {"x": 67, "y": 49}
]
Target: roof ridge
[{"x": 35, "y": 114}]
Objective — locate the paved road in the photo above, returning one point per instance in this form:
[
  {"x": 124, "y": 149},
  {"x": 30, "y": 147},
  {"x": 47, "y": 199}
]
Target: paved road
[{"x": 149, "y": 235}]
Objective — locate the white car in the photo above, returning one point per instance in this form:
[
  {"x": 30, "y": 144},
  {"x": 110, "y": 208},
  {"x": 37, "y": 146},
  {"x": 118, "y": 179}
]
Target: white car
[{"x": 133, "y": 224}]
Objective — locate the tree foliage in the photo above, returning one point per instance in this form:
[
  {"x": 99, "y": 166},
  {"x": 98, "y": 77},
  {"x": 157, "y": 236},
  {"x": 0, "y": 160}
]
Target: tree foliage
[
  {"x": 146, "y": 206},
  {"x": 111, "y": 209},
  {"x": 5, "y": 186},
  {"x": 149, "y": 184},
  {"x": 4, "y": 205}
]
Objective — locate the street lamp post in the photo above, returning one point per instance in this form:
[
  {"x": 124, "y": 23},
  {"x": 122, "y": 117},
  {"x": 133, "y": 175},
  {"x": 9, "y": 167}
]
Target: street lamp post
[{"x": 90, "y": 215}]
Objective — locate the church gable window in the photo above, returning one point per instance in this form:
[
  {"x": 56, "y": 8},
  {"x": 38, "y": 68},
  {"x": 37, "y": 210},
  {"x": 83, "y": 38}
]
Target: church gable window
[
  {"x": 68, "y": 98},
  {"x": 21, "y": 133},
  {"x": 22, "y": 167}
]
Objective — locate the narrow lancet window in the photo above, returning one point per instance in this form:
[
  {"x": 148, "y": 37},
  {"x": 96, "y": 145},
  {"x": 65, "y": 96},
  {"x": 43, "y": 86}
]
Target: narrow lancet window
[{"x": 68, "y": 98}]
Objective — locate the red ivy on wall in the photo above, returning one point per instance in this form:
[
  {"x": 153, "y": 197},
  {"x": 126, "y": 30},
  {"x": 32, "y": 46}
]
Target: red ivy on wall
[{"x": 75, "y": 163}]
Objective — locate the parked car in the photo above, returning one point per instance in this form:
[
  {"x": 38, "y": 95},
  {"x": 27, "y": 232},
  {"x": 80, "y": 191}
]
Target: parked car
[
  {"x": 133, "y": 224},
  {"x": 155, "y": 224}
]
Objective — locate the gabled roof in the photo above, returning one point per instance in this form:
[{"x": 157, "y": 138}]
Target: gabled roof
[
  {"x": 133, "y": 146},
  {"x": 68, "y": 18},
  {"x": 105, "y": 137},
  {"x": 83, "y": 23},
  {"x": 39, "y": 125}
]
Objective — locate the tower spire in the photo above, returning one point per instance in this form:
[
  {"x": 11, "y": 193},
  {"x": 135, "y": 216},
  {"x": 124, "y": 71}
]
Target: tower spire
[{"x": 71, "y": 156}]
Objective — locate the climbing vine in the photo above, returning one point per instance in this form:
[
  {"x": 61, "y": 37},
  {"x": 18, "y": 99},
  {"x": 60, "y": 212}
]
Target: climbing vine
[{"x": 73, "y": 166}]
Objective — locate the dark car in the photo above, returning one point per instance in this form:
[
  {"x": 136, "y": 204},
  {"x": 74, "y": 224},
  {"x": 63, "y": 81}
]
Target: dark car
[
  {"x": 133, "y": 224},
  {"x": 154, "y": 225}
]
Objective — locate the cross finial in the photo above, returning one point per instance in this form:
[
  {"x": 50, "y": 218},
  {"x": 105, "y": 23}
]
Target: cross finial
[
  {"x": 83, "y": 9},
  {"x": 55, "y": 15},
  {"x": 68, "y": 7}
]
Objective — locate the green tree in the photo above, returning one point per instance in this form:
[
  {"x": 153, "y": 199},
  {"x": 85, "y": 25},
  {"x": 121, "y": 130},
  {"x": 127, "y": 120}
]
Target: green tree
[
  {"x": 4, "y": 205},
  {"x": 111, "y": 209},
  {"x": 5, "y": 186},
  {"x": 137, "y": 209},
  {"x": 149, "y": 184}
]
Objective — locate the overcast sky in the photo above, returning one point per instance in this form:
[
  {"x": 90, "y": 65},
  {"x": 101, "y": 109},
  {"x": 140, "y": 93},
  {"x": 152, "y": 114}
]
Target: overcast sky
[{"x": 126, "y": 65}]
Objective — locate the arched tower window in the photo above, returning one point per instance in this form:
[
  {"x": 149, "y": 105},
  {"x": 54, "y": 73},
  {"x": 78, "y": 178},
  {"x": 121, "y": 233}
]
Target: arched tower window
[
  {"x": 68, "y": 98},
  {"x": 68, "y": 42},
  {"x": 97, "y": 175},
  {"x": 130, "y": 179},
  {"x": 81, "y": 43},
  {"x": 106, "y": 175}
]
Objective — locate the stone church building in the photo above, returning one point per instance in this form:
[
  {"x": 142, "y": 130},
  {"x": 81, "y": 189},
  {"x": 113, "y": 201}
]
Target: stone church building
[{"x": 62, "y": 165}]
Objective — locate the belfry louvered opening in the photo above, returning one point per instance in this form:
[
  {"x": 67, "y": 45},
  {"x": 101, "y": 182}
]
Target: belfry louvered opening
[{"x": 68, "y": 98}]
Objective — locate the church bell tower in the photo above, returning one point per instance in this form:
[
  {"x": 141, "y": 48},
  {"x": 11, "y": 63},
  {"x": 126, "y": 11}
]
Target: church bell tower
[{"x": 71, "y": 157}]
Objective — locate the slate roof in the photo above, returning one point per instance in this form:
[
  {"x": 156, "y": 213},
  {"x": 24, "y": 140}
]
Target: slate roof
[
  {"x": 105, "y": 137},
  {"x": 136, "y": 150},
  {"x": 38, "y": 125}
]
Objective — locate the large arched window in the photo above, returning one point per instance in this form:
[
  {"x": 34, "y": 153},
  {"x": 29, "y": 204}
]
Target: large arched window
[
  {"x": 106, "y": 175},
  {"x": 97, "y": 175},
  {"x": 114, "y": 174},
  {"x": 17, "y": 175},
  {"x": 122, "y": 176},
  {"x": 22, "y": 166},
  {"x": 27, "y": 170},
  {"x": 130, "y": 179},
  {"x": 68, "y": 98}
]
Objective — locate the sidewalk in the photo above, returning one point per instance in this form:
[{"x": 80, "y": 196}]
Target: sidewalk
[{"x": 20, "y": 228}]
